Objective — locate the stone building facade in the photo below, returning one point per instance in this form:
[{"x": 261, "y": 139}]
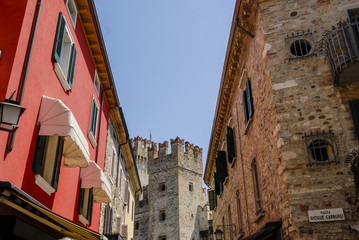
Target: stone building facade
[
  {"x": 117, "y": 217},
  {"x": 281, "y": 150},
  {"x": 173, "y": 203}
]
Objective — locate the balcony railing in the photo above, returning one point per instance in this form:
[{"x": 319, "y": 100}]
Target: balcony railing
[{"x": 341, "y": 46}]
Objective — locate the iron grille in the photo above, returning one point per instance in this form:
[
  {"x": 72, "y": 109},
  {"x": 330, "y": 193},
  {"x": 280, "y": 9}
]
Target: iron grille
[
  {"x": 340, "y": 45},
  {"x": 300, "y": 44},
  {"x": 321, "y": 148}
]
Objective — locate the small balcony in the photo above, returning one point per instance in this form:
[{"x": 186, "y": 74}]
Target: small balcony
[{"x": 341, "y": 46}]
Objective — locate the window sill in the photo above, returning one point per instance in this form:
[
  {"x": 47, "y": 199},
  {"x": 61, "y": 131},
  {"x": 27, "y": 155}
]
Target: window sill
[
  {"x": 260, "y": 215},
  {"x": 83, "y": 220},
  {"x": 92, "y": 139},
  {"x": 44, "y": 185},
  {"x": 249, "y": 123},
  {"x": 61, "y": 76}
]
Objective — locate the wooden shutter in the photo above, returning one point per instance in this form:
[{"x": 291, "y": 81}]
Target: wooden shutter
[
  {"x": 59, "y": 38},
  {"x": 118, "y": 224},
  {"x": 56, "y": 174},
  {"x": 249, "y": 98},
  {"x": 217, "y": 188},
  {"x": 354, "y": 109},
  {"x": 221, "y": 166},
  {"x": 353, "y": 13},
  {"x": 38, "y": 162},
  {"x": 245, "y": 108},
  {"x": 90, "y": 206},
  {"x": 93, "y": 122},
  {"x": 81, "y": 201},
  {"x": 126, "y": 197},
  {"x": 231, "y": 147},
  {"x": 124, "y": 231},
  {"x": 211, "y": 199},
  {"x": 70, "y": 74}
]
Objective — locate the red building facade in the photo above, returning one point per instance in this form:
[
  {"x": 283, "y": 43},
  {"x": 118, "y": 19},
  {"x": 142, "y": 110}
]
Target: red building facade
[{"x": 54, "y": 70}]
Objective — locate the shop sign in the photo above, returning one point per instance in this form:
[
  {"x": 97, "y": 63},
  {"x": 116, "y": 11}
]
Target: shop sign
[{"x": 326, "y": 215}]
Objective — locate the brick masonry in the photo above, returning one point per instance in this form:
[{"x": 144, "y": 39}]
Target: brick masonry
[{"x": 291, "y": 98}]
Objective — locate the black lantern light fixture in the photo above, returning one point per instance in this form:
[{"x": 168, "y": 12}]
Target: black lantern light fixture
[
  {"x": 10, "y": 112},
  {"x": 218, "y": 233}
]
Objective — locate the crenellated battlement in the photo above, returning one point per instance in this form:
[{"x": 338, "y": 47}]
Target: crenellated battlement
[{"x": 183, "y": 154}]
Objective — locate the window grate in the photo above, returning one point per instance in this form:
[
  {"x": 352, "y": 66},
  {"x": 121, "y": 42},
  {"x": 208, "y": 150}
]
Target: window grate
[
  {"x": 321, "y": 148},
  {"x": 300, "y": 44}
]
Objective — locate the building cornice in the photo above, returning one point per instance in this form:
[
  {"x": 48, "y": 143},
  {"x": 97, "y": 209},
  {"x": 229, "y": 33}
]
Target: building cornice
[
  {"x": 91, "y": 27},
  {"x": 229, "y": 81}
]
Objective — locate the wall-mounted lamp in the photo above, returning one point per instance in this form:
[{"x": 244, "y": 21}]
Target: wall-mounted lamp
[
  {"x": 10, "y": 112},
  {"x": 0, "y": 53},
  {"x": 219, "y": 233}
]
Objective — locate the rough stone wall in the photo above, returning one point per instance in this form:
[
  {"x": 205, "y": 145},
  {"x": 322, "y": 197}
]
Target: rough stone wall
[
  {"x": 140, "y": 147},
  {"x": 118, "y": 190},
  {"x": 305, "y": 99},
  {"x": 254, "y": 140},
  {"x": 141, "y": 217},
  {"x": 177, "y": 170}
]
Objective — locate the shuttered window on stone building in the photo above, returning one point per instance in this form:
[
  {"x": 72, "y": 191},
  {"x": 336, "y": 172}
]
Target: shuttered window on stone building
[
  {"x": 231, "y": 146},
  {"x": 354, "y": 108},
  {"x": 124, "y": 233},
  {"x": 217, "y": 186},
  {"x": 248, "y": 101},
  {"x": 212, "y": 199},
  {"x": 127, "y": 194},
  {"x": 221, "y": 167},
  {"x": 256, "y": 189},
  {"x": 107, "y": 229}
]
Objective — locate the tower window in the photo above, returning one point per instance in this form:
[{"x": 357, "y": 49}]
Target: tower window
[
  {"x": 162, "y": 215},
  {"x": 162, "y": 238},
  {"x": 300, "y": 48},
  {"x": 190, "y": 187},
  {"x": 300, "y": 44},
  {"x": 162, "y": 187}
]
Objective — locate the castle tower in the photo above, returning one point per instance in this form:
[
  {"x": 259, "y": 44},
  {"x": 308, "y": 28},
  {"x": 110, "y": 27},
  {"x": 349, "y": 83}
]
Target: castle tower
[
  {"x": 139, "y": 147},
  {"x": 174, "y": 193}
]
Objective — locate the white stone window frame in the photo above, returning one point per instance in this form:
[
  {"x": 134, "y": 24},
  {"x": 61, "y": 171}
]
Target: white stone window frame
[
  {"x": 62, "y": 68},
  {"x": 96, "y": 82},
  {"x": 72, "y": 10}
]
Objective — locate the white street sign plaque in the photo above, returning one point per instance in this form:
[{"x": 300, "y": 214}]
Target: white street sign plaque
[{"x": 326, "y": 215}]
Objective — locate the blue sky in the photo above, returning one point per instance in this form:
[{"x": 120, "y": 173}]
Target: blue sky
[{"x": 167, "y": 58}]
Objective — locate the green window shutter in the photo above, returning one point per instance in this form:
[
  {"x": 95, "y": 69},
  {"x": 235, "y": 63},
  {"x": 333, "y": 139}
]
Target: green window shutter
[
  {"x": 93, "y": 122},
  {"x": 211, "y": 199},
  {"x": 59, "y": 38},
  {"x": 81, "y": 201},
  {"x": 70, "y": 74},
  {"x": 354, "y": 109},
  {"x": 90, "y": 206},
  {"x": 38, "y": 162},
  {"x": 56, "y": 174},
  {"x": 249, "y": 98},
  {"x": 245, "y": 107},
  {"x": 231, "y": 147}
]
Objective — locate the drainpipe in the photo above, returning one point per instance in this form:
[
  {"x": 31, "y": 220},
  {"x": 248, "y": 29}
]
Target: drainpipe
[{"x": 25, "y": 69}]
